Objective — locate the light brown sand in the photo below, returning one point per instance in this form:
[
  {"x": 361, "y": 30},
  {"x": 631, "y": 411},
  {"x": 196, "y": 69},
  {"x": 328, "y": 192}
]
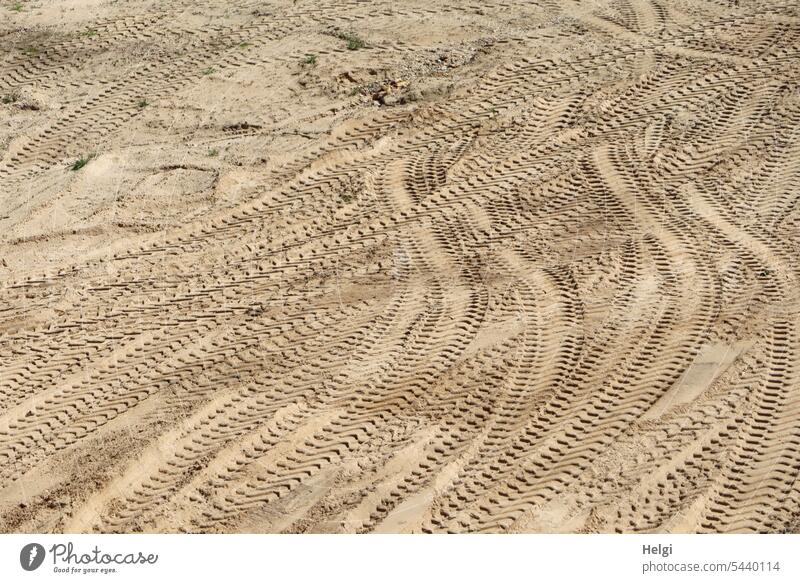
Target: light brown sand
[{"x": 512, "y": 266}]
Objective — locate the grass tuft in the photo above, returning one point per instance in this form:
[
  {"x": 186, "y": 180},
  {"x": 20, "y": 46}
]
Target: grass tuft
[
  {"x": 353, "y": 42},
  {"x": 310, "y": 59}
]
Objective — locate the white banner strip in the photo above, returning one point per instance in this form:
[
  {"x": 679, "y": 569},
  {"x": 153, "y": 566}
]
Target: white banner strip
[{"x": 409, "y": 558}]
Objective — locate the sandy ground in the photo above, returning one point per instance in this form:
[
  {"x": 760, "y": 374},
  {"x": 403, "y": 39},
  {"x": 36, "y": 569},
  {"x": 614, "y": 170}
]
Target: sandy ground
[{"x": 399, "y": 266}]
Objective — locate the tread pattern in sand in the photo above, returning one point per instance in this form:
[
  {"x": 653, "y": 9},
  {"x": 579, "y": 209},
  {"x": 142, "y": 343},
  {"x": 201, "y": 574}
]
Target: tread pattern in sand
[{"x": 564, "y": 297}]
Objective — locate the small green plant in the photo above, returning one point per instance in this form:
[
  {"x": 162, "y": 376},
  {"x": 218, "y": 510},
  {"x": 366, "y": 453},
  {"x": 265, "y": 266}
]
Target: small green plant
[
  {"x": 90, "y": 32},
  {"x": 16, "y": 7},
  {"x": 310, "y": 59},
  {"x": 355, "y": 91},
  {"x": 207, "y": 71},
  {"x": 244, "y": 45},
  {"x": 142, "y": 104},
  {"x": 10, "y": 98},
  {"x": 30, "y": 51},
  {"x": 353, "y": 42},
  {"x": 213, "y": 152},
  {"x": 81, "y": 162}
]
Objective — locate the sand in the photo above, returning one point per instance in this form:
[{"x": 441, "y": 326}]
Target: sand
[{"x": 399, "y": 266}]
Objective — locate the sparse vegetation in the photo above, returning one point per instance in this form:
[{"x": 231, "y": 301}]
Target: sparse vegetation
[
  {"x": 244, "y": 45},
  {"x": 142, "y": 104},
  {"x": 208, "y": 71},
  {"x": 81, "y": 162},
  {"x": 90, "y": 32},
  {"x": 310, "y": 59},
  {"x": 353, "y": 42},
  {"x": 213, "y": 152},
  {"x": 16, "y": 7},
  {"x": 30, "y": 51},
  {"x": 10, "y": 98}
]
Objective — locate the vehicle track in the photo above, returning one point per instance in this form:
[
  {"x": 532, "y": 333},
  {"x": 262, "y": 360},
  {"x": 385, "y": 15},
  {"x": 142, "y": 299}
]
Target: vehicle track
[{"x": 561, "y": 296}]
